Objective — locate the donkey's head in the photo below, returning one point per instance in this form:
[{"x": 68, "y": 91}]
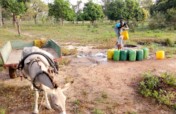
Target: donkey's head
[{"x": 57, "y": 99}]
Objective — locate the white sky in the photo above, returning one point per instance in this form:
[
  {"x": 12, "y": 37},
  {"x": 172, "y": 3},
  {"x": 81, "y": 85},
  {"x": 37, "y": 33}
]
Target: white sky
[{"x": 74, "y": 1}]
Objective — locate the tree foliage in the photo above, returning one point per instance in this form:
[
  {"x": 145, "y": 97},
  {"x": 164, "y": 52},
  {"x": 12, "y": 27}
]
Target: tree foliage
[
  {"x": 80, "y": 16},
  {"x": 36, "y": 7},
  {"x": 127, "y": 9},
  {"x": 166, "y": 8},
  {"x": 115, "y": 10},
  {"x": 60, "y": 9},
  {"x": 163, "y": 6},
  {"x": 146, "y": 4},
  {"x": 92, "y": 12},
  {"x": 14, "y": 6}
]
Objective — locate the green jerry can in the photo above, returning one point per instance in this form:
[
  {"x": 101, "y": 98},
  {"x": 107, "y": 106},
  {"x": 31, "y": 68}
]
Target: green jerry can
[
  {"x": 116, "y": 55},
  {"x": 139, "y": 55},
  {"x": 132, "y": 55},
  {"x": 123, "y": 55},
  {"x": 146, "y": 53}
]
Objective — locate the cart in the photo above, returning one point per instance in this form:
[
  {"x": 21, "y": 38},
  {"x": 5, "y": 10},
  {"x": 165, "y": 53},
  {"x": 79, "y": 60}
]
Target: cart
[{"x": 10, "y": 53}]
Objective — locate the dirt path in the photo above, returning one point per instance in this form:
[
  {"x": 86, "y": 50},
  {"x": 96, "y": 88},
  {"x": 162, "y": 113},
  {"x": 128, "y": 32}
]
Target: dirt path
[{"x": 109, "y": 87}]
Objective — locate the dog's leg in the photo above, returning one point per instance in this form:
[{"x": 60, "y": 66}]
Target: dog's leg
[
  {"x": 36, "y": 111},
  {"x": 48, "y": 106}
]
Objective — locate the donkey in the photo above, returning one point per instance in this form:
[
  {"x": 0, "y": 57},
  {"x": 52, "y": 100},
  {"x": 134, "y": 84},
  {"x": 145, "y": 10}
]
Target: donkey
[{"x": 37, "y": 64}]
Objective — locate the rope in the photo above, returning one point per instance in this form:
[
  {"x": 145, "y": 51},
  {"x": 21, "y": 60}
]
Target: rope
[
  {"x": 41, "y": 102},
  {"x": 37, "y": 75},
  {"x": 50, "y": 61}
]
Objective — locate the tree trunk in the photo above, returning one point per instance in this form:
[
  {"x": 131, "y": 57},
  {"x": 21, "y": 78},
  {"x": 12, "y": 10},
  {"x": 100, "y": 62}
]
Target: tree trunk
[
  {"x": 18, "y": 26},
  {"x": 14, "y": 19},
  {"x": 35, "y": 19},
  {"x": 83, "y": 22},
  {"x": 0, "y": 16},
  {"x": 92, "y": 22},
  {"x": 3, "y": 21},
  {"x": 62, "y": 21}
]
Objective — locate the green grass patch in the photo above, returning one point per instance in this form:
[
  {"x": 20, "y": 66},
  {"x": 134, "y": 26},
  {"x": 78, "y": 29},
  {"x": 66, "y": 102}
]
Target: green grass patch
[
  {"x": 97, "y": 111},
  {"x": 102, "y": 35},
  {"x": 162, "y": 88},
  {"x": 6, "y": 35},
  {"x": 2, "y": 111}
]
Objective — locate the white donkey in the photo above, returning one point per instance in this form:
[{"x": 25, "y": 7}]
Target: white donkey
[{"x": 38, "y": 65}]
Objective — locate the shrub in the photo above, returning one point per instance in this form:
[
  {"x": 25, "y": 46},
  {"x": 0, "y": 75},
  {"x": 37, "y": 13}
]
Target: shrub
[
  {"x": 158, "y": 21},
  {"x": 169, "y": 42},
  {"x": 162, "y": 88},
  {"x": 2, "y": 111},
  {"x": 169, "y": 79},
  {"x": 97, "y": 111}
]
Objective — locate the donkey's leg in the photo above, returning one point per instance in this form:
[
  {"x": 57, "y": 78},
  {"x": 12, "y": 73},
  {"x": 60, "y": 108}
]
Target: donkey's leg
[
  {"x": 36, "y": 111},
  {"x": 48, "y": 106},
  {"x": 32, "y": 87}
]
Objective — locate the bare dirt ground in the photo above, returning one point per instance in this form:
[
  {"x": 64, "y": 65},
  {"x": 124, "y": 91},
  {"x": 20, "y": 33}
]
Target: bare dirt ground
[{"x": 105, "y": 87}]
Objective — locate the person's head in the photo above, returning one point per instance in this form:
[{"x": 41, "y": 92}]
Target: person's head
[{"x": 121, "y": 20}]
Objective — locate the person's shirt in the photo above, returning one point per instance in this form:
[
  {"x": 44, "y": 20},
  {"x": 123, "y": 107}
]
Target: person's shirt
[{"x": 119, "y": 26}]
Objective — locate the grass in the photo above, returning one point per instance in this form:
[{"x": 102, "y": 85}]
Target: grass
[
  {"x": 161, "y": 88},
  {"x": 6, "y": 35},
  {"x": 97, "y": 111},
  {"x": 80, "y": 33},
  {"x": 12, "y": 98},
  {"x": 101, "y": 34}
]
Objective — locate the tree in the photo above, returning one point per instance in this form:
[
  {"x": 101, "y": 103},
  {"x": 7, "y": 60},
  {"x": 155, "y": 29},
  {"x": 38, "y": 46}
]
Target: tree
[
  {"x": 115, "y": 10},
  {"x": 60, "y": 9},
  {"x": 16, "y": 8},
  {"x": 163, "y": 6},
  {"x": 167, "y": 8},
  {"x": 77, "y": 9},
  {"x": 128, "y": 9},
  {"x": 105, "y": 4},
  {"x": 146, "y": 3},
  {"x": 36, "y": 7},
  {"x": 0, "y": 12},
  {"x": 92, "y": 12}
]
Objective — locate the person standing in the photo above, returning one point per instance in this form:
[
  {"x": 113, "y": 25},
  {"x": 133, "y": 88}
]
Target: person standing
[{"x": 119, "y": 27}]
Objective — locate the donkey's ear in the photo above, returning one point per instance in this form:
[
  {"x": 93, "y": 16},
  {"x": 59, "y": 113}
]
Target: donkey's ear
[
  {"x": 50, "y": 91},
  {"x": 66, "y": 86}
]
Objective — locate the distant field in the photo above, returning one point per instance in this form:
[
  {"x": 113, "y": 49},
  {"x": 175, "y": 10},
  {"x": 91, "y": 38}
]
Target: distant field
[{"x": 84, "y": 34}]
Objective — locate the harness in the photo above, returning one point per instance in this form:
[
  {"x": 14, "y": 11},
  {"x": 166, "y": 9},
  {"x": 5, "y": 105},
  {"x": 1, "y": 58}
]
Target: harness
[
  {"x": 50, "y": 61},
  {"x": 37, "y": 75}
]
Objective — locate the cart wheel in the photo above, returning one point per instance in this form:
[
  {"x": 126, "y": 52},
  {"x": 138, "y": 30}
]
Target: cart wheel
[{"x": 12, "y": 72}]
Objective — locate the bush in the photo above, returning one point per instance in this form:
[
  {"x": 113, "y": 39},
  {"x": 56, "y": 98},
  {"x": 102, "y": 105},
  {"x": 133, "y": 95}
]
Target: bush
[
  {"x": 97, "y": 111},
  {"x": 169, "y": 79},
  {"x": 169, "y": 42},
  {"x": 158, "y": 21},
  {"x": 162, "y": 88}
]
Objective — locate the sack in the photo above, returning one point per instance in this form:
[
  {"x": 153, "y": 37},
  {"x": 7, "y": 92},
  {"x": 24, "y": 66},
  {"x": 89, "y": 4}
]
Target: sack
[{"x": 125, "y": 35}]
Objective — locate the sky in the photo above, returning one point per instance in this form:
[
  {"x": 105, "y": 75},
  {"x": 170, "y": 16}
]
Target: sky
[{"x": 74, "y": 1}]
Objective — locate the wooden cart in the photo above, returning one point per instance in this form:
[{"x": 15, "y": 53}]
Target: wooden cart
[{"x": 10, "y": 53}]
